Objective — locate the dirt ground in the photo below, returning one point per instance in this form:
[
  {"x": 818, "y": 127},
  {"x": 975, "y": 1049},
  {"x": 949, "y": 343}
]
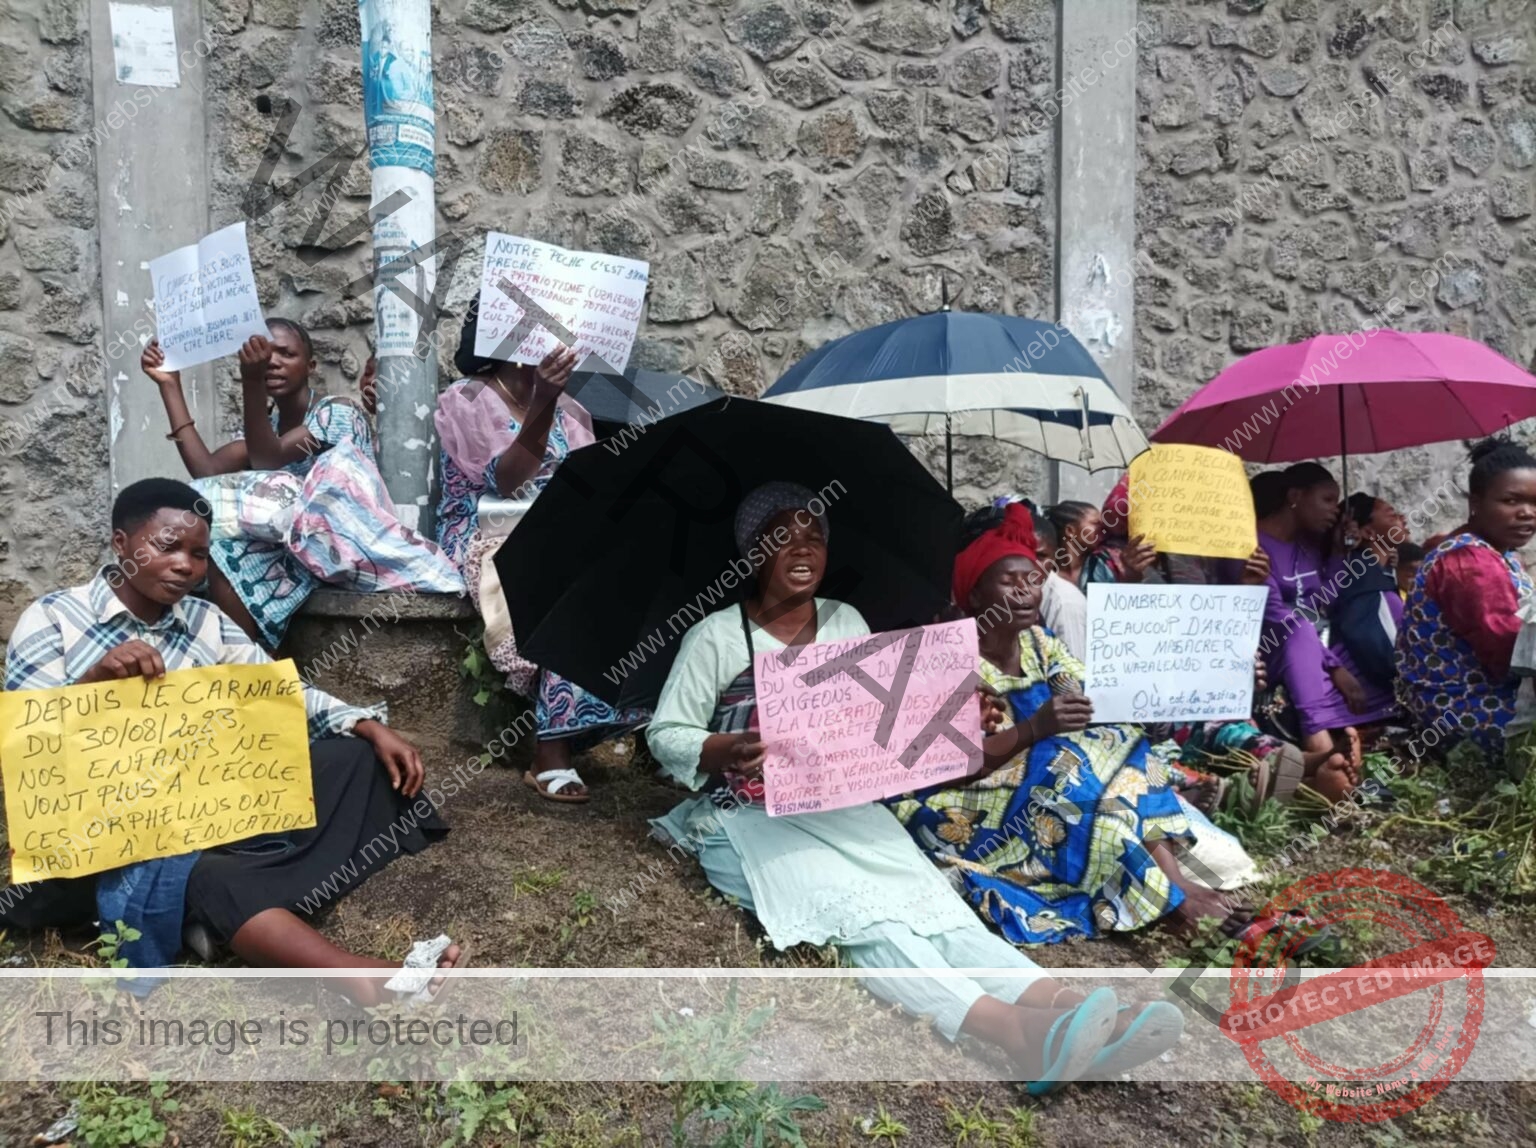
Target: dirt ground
[{"x": 525, "y": 880}]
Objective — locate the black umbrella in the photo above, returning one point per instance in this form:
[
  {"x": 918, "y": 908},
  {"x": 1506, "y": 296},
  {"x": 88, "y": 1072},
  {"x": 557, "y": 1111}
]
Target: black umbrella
[
  {"x": 637, "y": 397},
  {"x": 626, "y": 548}
]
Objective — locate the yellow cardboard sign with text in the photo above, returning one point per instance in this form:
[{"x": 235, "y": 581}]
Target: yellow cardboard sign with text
[
  {"x": 100, "y": 776},
  {"x": 1192, "y": 500}
]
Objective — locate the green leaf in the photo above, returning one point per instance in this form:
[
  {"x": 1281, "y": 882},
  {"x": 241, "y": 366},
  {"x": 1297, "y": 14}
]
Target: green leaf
[{"x": 482, "y": 696}]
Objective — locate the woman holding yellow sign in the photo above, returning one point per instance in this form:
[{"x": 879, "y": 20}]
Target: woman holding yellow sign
[{"x": 135, "y": 620}]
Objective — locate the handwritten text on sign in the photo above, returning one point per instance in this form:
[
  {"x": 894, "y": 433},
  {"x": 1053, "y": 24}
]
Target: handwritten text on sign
[
  {"x": 1193, "y": 500},
  {"x": 596, "y": 297},
  {"x": 205, "y": 299},
  {"x": 859, "y": 719},
  {"x": 1172, "y": 653},
  {"x": 100, "y": 776}
]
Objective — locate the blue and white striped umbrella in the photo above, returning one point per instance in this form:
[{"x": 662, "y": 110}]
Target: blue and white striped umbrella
[{"x": 962, "y": 372}]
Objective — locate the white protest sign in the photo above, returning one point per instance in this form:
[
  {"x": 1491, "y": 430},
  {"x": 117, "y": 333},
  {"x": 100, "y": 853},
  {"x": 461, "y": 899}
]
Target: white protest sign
[
  {"x": 205, "y": 299},
  {"x": 1172, "y": 653},
  {"x": 596, "y": 297}
]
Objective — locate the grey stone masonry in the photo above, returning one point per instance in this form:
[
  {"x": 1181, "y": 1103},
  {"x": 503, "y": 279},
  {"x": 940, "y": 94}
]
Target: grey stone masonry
[{"x": 1316, "y": 165}]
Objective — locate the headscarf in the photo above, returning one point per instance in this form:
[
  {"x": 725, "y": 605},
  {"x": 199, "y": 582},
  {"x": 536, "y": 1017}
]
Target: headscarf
[
  {"x": 767, "y": 500},
  {"x": 1014, "y": 535},
  {"x": 464, "y": 358},
  {"x": 1116, "y": 511}
]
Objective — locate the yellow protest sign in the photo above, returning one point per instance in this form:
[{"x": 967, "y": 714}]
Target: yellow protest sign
[
  {"x": 100, "y": 776},
  {"x": 1192, "y": 500}
]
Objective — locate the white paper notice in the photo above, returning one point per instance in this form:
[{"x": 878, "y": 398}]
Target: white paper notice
[
  {"x": 1172, "y": 653},
  {"x": 205, "y": 299},
  {"x": 597, "y": 298},
  {"x": 144, "y": 45}
]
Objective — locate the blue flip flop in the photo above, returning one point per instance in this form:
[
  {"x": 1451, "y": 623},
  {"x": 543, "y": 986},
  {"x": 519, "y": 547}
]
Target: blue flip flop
[
  {"x": 1075, "y": 1040},
  {"x": 1156, "y": 1029}
]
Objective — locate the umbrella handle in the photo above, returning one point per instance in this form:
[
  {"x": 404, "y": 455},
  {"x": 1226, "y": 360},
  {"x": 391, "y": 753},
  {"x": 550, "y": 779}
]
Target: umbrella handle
[{"x": 1081, "y": 394}]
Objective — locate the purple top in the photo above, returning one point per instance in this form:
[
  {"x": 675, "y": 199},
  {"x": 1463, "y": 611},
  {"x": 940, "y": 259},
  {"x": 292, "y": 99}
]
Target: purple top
[{"x": 1292, "y": 646}]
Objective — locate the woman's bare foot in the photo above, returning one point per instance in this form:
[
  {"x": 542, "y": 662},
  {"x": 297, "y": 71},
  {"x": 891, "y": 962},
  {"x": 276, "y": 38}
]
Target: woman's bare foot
[
  {"x": 1201, "y": 904},
  {"x": 1348, "y": 742},
  {"x": 369, "y": 991},
  {"x": 1054, "y": 996},
  {"x": 1334, "y": 778}
]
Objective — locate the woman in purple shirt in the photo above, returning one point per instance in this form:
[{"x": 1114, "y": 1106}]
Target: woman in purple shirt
[{"x": 1297, "y": 514}]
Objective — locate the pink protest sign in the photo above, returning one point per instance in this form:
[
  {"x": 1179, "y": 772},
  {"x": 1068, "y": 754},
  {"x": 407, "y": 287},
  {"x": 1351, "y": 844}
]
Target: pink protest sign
[{"x": 859, "y": 719}]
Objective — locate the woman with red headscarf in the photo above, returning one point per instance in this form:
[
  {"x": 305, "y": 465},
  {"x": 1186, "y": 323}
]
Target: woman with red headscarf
[{"x": 1066, "y": 830}]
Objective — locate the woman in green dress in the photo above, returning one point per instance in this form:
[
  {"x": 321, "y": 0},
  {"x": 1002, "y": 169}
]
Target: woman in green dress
[{"x": 853, "y": 877}]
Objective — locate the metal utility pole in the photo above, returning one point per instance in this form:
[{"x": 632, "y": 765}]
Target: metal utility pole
[{"x": 398, "y": 109}]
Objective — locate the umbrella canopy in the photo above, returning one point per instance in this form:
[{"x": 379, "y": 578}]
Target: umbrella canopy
[
  {"x": 624, "y": 550},
  {"x": 1020, "y": 380},
  {"x": 1354, "y": 394},
  {"x": 637, "y": 397}
]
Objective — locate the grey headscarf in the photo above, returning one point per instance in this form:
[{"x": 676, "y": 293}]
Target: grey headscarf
[{"x": 767, "y": 500}]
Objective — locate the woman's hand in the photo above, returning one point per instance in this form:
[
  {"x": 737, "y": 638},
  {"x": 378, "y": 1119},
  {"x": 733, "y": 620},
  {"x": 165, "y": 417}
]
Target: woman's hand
[
  {"x": 1354, "y": 693},
  {"x": 551, "y": 376},
  {"x": 132, "y": 659},
  {"x": 399, "y": 757},
  {"x": 255, "y": 358},
  {"x": 1064, "y": 713},
  {"x": 1255, "y": 568},
  {"x": 1260, "y": 674},
  {"x": 1139, "y": 554},
  {"x": 993, "y": 711},
  {"x": 152, "y": 363},
  {"x": 741, "y": 754}
]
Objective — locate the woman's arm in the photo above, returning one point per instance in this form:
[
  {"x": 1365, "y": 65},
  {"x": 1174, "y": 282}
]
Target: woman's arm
[
  {"x": 679, "y": 735},
  {"x": 523, "y": 459},
  {"x": 268, "y": 450},
  {"x": 195, "y": 455}
]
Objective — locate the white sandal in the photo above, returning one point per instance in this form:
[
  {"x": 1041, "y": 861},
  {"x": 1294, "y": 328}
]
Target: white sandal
[{"x": 552, "y": 781}]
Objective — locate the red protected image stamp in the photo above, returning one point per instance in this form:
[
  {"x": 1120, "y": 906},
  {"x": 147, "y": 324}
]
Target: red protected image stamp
[{"x": 1376, "y": 1040}]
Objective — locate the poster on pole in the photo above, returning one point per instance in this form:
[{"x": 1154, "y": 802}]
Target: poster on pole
[
  {"x": 855, "y": 720},
  {"x": 1172, "y": 653},
  {"x": 1192, "y": 500},
  {"x": 205, "y": 299},
  {"x": 585, "y": 299},
  {"x": 108, "y": 774},
  {"x": 398, "y": 102}
]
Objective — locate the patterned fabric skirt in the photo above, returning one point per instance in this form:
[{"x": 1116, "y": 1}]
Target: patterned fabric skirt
[
  {"x": 1055, "y": 845},
  {"x": 270, "y": 581},
  {"x": 562, "y": 709}
]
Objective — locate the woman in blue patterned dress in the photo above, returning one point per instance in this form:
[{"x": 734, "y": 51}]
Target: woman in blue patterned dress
[
  {"x": 504, "y": 428},
  {"x": 264, "y": 569},
  {"x": 1068, "y": 835},
  {"x": 1460, "y": 621}
]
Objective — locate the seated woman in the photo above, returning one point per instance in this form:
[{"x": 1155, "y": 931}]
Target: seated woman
[
  {"x": 1460, "y": 621},
  {"x": 134, "y": 619},
  {"x": 1367, "y": 611},
  {"x": 505, "y": 428},
  {"x": 1297, "y": 514},
  {"x": 1067, "y": 829},
  {"x": 298, "y": 500},
  {"x": 852, "y": 877},
  {"x": 1092, "y": 544},
  {"x": 1279, "y": 767}
]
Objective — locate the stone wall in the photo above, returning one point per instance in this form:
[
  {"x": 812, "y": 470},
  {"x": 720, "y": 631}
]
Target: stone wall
[
  {"x": 792, "y": 169},
  {"x": 1314, "y": 165},
  {"x": 53, "y": 434}
]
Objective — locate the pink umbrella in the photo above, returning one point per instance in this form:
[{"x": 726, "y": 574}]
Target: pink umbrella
[{"x": 1361, "y": 393}]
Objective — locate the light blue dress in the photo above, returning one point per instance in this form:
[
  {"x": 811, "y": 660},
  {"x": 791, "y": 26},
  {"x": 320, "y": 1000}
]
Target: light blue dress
[{"x": 853, "y": 876}]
